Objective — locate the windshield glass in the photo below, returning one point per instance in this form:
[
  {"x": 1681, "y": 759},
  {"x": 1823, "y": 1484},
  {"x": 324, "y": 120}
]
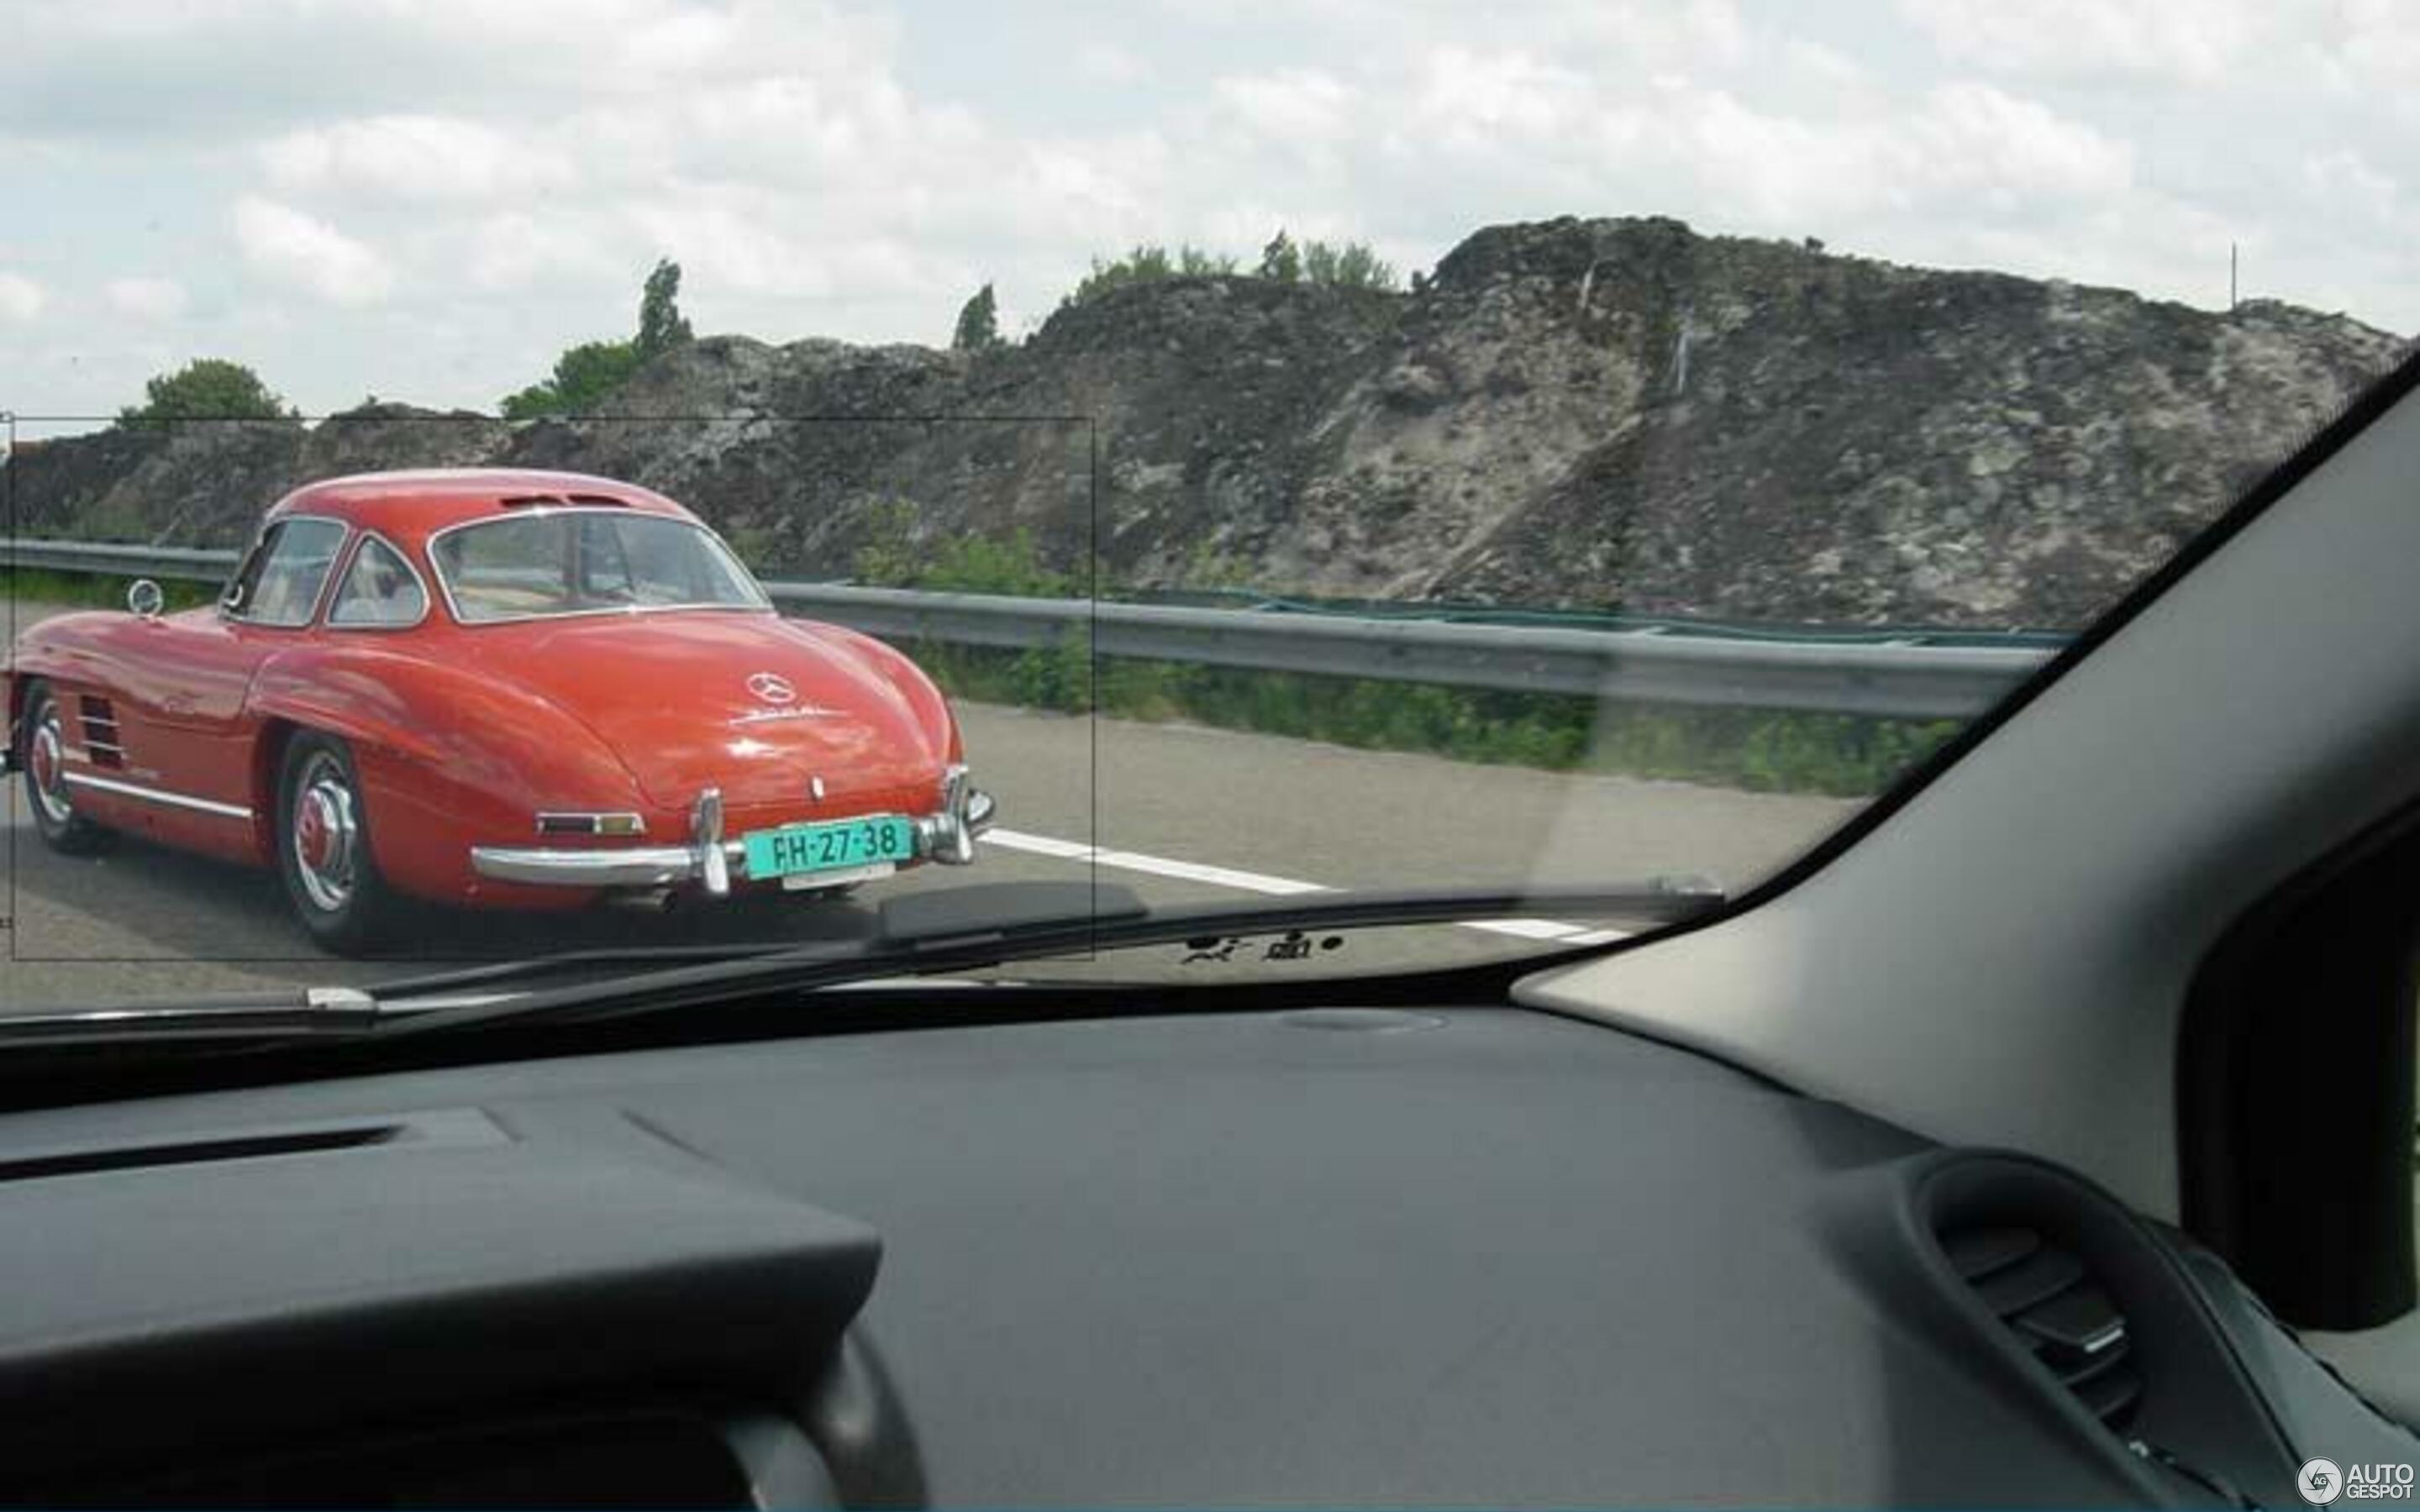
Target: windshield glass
[
  {"x": 527, "y": 566},
  {"x": 1268, "y": 452}
]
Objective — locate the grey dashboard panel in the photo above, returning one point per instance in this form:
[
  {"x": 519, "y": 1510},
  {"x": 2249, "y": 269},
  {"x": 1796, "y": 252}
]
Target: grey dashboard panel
[
  {"x": 1484, "y": 1255},
  {"x": 196, "y": 1289}
]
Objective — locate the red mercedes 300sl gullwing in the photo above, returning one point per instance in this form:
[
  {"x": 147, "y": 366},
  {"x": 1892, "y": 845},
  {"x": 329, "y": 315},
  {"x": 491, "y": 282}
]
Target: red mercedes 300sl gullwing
[{"x": 497, "y": 689}]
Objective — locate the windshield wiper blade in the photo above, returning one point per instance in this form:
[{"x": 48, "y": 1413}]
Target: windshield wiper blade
[
  {"x": 955, "y": 929},
  {"x": 979, "y": 925},
  {"x": 245, "y": 1014}
]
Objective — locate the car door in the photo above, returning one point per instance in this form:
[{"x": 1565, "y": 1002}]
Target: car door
[{"x": 183, "y": 685}]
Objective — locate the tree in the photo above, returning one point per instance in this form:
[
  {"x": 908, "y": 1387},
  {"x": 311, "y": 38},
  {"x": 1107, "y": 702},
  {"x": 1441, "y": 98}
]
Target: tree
[
  {"x": 583, "y": 377},
  {"x": 1280, "y": 260},
  {"x": 978, "y": 324},
  {"x": 207, "y": 388},
  {"x": 661, "y": 326}
]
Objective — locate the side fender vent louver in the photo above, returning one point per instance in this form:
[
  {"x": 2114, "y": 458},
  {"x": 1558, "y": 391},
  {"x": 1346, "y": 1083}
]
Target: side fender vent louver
[
  {"x": 2057, "y": 1311},
  {"x": 102, "y": 741}
]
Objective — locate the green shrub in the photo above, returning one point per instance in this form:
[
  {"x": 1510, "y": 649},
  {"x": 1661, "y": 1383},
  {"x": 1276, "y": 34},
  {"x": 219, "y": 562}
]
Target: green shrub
[
  {"x": 1348, "y": 265},
  {"x": 581, "y": 379},
  {"x": 890, "y": 555},
  {"x": 84, "y": 589},
  {"x": 207, "y": 388},
  {"x": 586, "y": 374},
  {"x": 1753, "y": 748},
  {"x": 1145, "y": 262}
]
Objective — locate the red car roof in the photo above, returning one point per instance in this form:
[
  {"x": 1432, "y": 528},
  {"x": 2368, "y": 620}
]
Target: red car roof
[{"x": 412, "y": 504}]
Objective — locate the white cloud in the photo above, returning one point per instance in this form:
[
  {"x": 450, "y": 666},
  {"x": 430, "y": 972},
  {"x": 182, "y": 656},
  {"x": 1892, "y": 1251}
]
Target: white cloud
[
  {"x": 442, "y": 193},
  {"x": 1474, "y": 98},
  {"x": 515, "y": 249},
  {"x": 1298, "y": 107},
  {"x": 2198, "y": 40},
  {"x": 289, "y": 245},
  {"x": 21, "y": 298},
  {"x": 1111, "y": 64},
  {"x": 1959, "y": 149},
  {"x": 1974, "y": 135},
  {"x": 413, "y": 158},
  {"x": 147, "y": 298}
]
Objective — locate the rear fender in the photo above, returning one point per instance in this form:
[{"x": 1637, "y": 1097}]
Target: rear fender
[
  {"x": 448, "y": 760},
  {"x": 932, "y": 713}
]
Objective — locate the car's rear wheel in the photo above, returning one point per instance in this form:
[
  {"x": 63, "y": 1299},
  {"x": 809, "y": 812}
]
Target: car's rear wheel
[
  {"x": 323, "y": 848},
  {"x": 42, "y": 743}
]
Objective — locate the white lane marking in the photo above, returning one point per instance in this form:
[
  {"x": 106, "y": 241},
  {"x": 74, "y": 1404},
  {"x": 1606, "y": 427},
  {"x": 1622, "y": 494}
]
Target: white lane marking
[
  {"x": 1068, "y": 850},
  {"x": 1018, "y": 839},
  {"x": 1221, "y": 876}
]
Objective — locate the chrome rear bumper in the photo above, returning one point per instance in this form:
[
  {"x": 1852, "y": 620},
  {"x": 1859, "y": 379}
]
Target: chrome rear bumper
[{"x": 946, "y": 836}]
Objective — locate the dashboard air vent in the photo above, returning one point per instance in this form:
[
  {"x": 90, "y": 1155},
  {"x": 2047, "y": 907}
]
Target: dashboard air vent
[{"x": 2056, "y": 1309}]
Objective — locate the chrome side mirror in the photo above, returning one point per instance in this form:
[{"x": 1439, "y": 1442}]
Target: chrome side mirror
[{"x": 142, "y": 596}]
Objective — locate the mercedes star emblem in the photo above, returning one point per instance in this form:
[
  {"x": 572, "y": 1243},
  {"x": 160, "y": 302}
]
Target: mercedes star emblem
[{"x": 772, "y": 688}]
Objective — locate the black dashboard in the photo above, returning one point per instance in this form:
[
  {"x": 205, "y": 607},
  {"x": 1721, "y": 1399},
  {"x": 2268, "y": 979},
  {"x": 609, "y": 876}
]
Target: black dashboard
[{"x": 1367, "y": 1255}]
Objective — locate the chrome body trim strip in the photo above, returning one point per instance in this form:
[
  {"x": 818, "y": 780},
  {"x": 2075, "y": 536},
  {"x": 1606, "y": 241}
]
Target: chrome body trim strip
[
  {"x": 174, "y": 801},
  {"x": 643, "y": 866}
]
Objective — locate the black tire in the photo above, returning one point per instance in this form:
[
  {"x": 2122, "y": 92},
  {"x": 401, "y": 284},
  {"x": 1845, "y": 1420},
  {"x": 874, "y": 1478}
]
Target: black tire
[
  {"x": 47, "y": 793},
  {"x": 337, "y": 893}
]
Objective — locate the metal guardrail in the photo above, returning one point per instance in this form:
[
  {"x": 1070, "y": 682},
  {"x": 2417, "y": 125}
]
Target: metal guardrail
[
  {"x": 186, "y": 562},
  {"x": 1907, "y": 680}
]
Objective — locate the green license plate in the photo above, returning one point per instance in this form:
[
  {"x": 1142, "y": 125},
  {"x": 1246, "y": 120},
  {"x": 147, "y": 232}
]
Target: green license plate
[{"x": 794, "y": 849}]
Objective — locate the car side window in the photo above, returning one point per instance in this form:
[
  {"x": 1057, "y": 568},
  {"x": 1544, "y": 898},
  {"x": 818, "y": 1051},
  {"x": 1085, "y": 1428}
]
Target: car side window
[
  {"x": 379, "y": 589},
  {"x": 279, "y": 584}
]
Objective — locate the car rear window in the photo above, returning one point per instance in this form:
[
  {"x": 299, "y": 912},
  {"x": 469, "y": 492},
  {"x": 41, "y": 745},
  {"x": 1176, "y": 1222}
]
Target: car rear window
[{"x": 576, "y": 562}]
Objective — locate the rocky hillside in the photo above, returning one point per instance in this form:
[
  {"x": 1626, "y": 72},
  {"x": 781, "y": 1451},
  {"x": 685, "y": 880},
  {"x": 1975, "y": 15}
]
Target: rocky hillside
[{"x": 1573, "y": 413}]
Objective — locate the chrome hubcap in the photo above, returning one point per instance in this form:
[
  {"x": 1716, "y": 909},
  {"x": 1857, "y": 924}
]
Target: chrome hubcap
[
  {"x": 326, "y": 840},
  {"x": 47, "y": 765}
]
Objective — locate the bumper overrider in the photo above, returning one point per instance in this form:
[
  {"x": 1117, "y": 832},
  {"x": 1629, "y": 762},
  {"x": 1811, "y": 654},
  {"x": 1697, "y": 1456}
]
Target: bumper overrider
[{"x": 947, "y": 836}]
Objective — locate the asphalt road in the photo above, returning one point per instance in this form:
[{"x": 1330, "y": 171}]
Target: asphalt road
[{"x": 1174, "y": 811}]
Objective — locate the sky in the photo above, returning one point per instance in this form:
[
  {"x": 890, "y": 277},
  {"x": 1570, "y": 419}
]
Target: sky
[{"x": 427, "y": 199}]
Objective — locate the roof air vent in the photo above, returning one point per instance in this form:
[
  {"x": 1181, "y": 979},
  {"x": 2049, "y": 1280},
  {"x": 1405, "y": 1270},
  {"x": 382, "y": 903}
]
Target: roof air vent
[{"x": 2056, "y": 1310}]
